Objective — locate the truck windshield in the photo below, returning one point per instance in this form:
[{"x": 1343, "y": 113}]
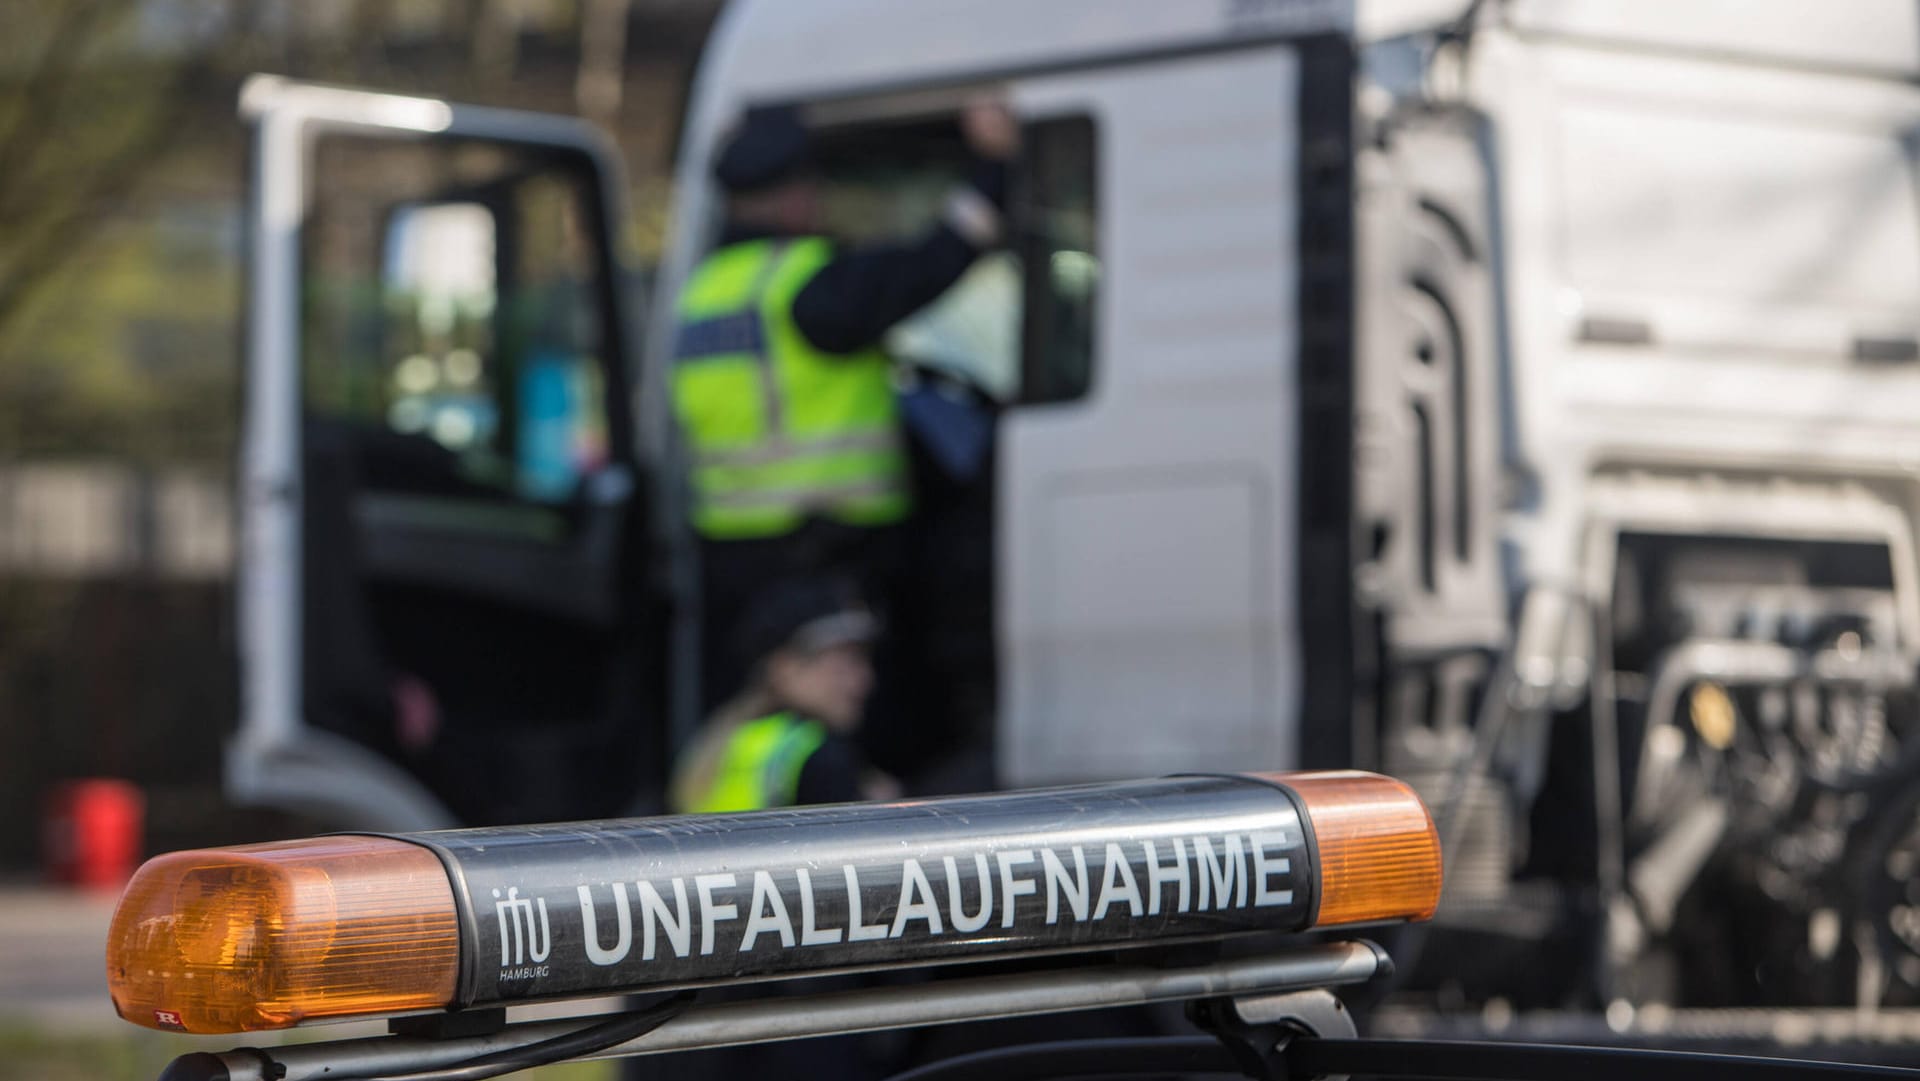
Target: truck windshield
[
  {"x": 1019, "y": 324},
  {"x": 887, "y": 181}
]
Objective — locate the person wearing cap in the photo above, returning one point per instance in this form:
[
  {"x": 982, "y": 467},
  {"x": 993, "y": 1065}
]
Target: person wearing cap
[
  {"x": 786, "y": 738},
  {"x": 784, "y": 397}
]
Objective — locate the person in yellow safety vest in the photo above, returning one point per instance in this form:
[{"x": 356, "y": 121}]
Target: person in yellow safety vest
[
  {"x": 784, "y": 399},
  {"x": 786, "y": 739}
]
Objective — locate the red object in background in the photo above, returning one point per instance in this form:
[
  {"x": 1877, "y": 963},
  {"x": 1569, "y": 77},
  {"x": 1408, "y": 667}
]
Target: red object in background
[{"x": 93, "y": 832}]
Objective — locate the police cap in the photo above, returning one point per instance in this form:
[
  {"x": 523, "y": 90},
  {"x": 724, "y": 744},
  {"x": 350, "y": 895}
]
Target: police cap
[
  {"x": 807, "y": 614},
  {"x": 770, "y": 144}
]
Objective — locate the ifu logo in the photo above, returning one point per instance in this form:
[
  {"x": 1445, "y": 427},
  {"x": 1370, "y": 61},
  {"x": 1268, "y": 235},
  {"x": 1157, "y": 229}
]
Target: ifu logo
[{"x": 525, "y": 941}]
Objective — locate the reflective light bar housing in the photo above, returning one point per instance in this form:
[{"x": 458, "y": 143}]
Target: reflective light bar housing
[{"x": 269, "y": 936}]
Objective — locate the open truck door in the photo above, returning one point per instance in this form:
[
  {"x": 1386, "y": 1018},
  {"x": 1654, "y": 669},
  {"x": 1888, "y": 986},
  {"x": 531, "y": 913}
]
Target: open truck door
[{"x": 444, "y": 616}]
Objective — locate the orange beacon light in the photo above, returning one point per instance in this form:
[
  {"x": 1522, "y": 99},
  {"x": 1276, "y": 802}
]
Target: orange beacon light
[{"x": 268, "y": 936}]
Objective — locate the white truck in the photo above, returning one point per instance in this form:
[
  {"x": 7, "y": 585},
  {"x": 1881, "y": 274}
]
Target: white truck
[{"x": 1519, "y": 397}]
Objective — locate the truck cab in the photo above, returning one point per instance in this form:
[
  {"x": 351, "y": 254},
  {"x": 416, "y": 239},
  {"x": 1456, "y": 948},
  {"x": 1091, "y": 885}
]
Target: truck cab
[{"x": 1516, "y": 397}]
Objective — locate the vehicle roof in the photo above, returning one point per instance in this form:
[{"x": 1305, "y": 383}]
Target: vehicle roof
[
  {"x": 766, "y": 51},
  {"x": 783, "y": 48},
  {"x": 1869, "y": 37}
]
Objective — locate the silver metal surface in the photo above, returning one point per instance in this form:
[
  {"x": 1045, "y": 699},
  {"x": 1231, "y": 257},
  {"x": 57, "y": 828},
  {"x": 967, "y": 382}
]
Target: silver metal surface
[
  {"x": 792, "y": 1018},
  {"x": 1316, "y": 1011},
  {"x": 1800, "y": 1031}
]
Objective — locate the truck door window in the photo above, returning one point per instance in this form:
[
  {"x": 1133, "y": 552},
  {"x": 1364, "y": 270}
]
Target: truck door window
[
  {"x": 1018, "y": 325},
  {"x": 1059, "y": 244},
  {"x": 451, "y": 318}
]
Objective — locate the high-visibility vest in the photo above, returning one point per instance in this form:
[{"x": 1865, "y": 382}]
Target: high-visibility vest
[
  {"x": 760, "y": 765},
  {"x": 777, "y": 429}
]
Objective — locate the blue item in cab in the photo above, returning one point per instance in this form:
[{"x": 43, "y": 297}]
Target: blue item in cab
[{"x": 955, "y": 432}]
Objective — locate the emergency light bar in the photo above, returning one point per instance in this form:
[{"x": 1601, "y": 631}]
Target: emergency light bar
[{"x": 272, "y": 935}]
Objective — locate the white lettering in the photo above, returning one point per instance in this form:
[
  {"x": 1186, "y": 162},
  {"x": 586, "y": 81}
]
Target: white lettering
[
  {"x": 654, "y": 908},
  {"x": 962, "y": 922},
  {"x": 1117, "y": 871},
  {"x": 711, "y": 913},
  {"x": 507, "y": 911},
  {"x": 1262, "y": 867},
  {"x": 528, "y": 940},
  {"x": 809, "y": 934},
  {"x": 766, "y": 912},
  {"x": 1011, "y": 887},
  {"x": 1228, "y": 873},
  {"x": 913, "y": 881},
  {"x": 1159, "y": 875},
  {"x": 539, "y": 947},
  {"x": 1057, "y": 884},
  {"x": 623, "y": 919},
  {"x": 857, "y": 931}
]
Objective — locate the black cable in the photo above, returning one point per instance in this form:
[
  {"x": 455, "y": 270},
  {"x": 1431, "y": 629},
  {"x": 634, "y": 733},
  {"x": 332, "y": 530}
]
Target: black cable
[
  {"x": 1447, "y": 1060},
  {"x": 581, "y": 1041},
  {"x": 1609, "y": 793},
  {"x": 1496, "y": 710},
  {"x": 1083, "y": 1058},
  {"x": 1435, "y": 1059}
]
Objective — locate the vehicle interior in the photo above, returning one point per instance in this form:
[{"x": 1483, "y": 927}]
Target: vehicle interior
[
  {"x": 1002, "y": 337},
  {"x": 482, "y": 602},
  {"x": 473, "y": 607}
]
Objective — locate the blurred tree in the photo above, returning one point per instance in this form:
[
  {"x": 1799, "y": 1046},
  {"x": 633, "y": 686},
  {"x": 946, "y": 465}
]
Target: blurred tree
[
  {"x": 116, "y": 124},
  {"x": 100, "y": 102},
  {"x": 95, "y": 95}
]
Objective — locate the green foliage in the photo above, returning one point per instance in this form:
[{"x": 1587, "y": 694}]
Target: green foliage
[
  {"x": 102, "y": 283},
  {"x": 89, "y": 113},
  {"x": 124, "y": 1053},
  {"x": 27, "y": 1053},
  {"x": 126, "y": 354}
]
